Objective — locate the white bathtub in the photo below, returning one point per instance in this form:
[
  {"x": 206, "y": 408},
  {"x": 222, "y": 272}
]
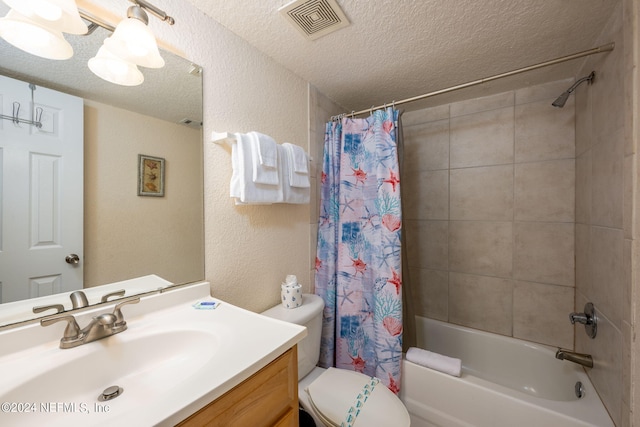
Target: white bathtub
[{"x": 505, "y": 382}]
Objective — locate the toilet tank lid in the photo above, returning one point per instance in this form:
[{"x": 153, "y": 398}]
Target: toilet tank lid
[{"x": 312, "y": 305}]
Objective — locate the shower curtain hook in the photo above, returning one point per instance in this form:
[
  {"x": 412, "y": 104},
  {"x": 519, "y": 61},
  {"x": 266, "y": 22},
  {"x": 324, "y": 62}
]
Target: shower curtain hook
[
  {"x": 393, "y": 105},
  {"x": 353, "y": 112},
  {"x": 371, "y": 111}
]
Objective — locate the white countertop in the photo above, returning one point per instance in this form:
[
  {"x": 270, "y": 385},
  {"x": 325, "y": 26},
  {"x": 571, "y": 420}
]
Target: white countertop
[{"x": 180, "y": 359}]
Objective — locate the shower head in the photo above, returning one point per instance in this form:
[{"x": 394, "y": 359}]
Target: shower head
[{"x": 562, "y": 99}]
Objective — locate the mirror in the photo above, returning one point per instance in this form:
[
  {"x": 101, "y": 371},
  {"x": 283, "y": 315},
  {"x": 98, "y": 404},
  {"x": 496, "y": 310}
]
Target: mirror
[{"x": 127, "y": 235}]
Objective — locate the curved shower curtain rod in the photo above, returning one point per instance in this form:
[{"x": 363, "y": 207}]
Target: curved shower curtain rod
[{"x": 600, "y": 49}]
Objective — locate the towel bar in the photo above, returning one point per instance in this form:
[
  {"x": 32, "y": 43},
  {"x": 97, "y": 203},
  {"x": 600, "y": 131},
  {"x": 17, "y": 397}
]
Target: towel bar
[
  {"x": 223, "y": 138},
  {"x": 230, "y": 139}
]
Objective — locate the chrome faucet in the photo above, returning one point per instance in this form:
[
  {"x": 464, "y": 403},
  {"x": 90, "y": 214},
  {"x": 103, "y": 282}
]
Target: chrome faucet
[
  {"x": 78, "y": 299},
  {"x": 101, "y": 326},
  {"x": 579, "y": 358}
]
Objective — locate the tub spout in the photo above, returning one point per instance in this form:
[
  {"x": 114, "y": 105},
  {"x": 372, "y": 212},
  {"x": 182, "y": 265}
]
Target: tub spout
[{"x": 579, "y": 358}]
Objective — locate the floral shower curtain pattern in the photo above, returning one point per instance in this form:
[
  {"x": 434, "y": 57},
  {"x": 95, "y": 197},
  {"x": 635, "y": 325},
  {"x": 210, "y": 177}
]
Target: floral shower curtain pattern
[{"x": 358, "y": 261}]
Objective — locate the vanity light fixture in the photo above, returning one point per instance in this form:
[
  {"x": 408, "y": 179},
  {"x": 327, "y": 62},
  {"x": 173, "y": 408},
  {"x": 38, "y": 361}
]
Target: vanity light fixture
[
  {"x": 36, "y": 26},
  {"x": 131, "y": 44},
  {"x": 133, "y": 41},
  {"x": 62, "y": 15}
]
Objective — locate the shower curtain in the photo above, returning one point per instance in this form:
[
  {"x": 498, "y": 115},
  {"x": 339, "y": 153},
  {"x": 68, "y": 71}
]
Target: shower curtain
[{"x": 358, "y": 261}]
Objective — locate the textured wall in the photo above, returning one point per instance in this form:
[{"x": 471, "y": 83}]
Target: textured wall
[{"x": 490, "y": 232}]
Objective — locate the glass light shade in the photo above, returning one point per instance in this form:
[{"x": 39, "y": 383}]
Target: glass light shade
[
  {"x": 61, "y": 15},
  {"x": 34, "y": 36},
  {"x": 114, "y": 69},
  {"x": 133, "y": 41}
]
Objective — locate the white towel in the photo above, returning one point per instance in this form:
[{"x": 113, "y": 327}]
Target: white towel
[
  {"x": 298, "y": 174},
  {"x": 267, "y": 149},
  {"x": 236, "y": 182},
  {"x": 439, "y": 362},
  {"x": 242, "y": 186},
  {"x": 294, "y": 195},
  {"x": 264, "y": 163}
]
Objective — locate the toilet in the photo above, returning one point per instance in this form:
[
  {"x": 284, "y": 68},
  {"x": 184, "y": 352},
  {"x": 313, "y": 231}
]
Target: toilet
[{"x": 328, "y": 394}]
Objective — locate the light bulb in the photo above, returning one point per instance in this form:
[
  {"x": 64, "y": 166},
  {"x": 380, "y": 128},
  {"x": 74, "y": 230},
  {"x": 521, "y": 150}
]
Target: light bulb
[
  {"x": 114, "y": 69},
  {"x": 45, "y": 9},
  {"x": 33, "y": 36},
  {"x": 133, "y": 41}
]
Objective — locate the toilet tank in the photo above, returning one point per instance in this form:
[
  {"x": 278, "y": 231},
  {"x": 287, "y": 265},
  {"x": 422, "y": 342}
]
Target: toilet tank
[{"x": 309, "y": 314}]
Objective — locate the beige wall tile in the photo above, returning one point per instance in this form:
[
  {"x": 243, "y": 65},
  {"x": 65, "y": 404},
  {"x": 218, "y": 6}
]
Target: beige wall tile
[
  {"x": 427, "y": 244},
  {"x": 540, "y": 313},
  {"x": 482, "y": 139},
  {"x": 545, "y": 91},
  {"x": 583, "y": 188},
  {"x": 583, "y": 264},
  {"x": 606, "y": 350},
  {"x": 425, "y": 115},
  {"x": 629, "y": 178},
  {"x": 607, "y": 277},
  {"x": 584, "y": 122},
  {"x": 426, "y": 146},
  {"x": 554, "y": 140},
  {"x": 481, "y": 247},
  {"x": 544, "y": 252},
  {"x": 608, "y": 92},
  {"x": 483, "y": 193},
  {"x": 432, "y": 292},
  {"x": 486, "y": 103},
  {"x": 481, "y": 302},
  {"x": 545, "y": 191},
  {"x": 430, "y": 194},
  {"x": 607, "y": 182}
]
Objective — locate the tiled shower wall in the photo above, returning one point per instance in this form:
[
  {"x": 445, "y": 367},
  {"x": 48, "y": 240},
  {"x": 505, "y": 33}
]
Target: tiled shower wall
[
  {"x": 490, "y": 216},
  {"x": 605, "y": 228}
]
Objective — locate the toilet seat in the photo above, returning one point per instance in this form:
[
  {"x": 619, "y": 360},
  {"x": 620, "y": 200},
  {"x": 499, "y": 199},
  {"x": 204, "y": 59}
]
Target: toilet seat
[{"x": 334, "y": 392}]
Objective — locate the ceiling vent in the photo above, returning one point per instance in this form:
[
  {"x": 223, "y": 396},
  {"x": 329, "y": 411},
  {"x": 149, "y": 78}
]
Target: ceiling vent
[
  {"x": 191, "y": 123},
  {"x": 315, "y": 18}
]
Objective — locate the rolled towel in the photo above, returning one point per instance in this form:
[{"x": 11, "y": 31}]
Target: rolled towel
[{"x": 439, "y": 362}]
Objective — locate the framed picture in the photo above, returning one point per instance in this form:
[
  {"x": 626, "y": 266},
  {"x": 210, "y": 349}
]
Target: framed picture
[{"x": 150, "y": 176}]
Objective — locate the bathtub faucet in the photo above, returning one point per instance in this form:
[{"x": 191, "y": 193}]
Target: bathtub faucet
[{"x": 579, "y": 358}]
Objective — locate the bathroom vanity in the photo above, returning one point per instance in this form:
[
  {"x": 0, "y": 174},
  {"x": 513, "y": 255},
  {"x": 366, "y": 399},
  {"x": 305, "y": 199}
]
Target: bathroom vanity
[
  {"x": 267, "y": 398},
  {"x": 177, "y": 363}
]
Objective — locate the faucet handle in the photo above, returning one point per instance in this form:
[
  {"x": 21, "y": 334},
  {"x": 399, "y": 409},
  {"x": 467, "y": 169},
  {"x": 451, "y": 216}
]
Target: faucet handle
[
  {"x": 58, "y": 307},
  {"x": 106, "y": 297},
  {"x": 120, "y": 322},
  {"x": 580, "y": 318},
  {"x": 589, "y": 319},
  {"x": 71, "y": 332}
]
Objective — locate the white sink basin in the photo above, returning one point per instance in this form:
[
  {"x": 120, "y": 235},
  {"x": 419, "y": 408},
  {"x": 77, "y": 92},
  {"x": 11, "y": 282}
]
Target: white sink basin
[
  {"x": 141, "y": 364},
  {"x": 170, "y": 362}
]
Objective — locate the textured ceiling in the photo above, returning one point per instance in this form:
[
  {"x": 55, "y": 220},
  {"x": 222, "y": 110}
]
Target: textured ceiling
[{"x": 395, "y": 49}]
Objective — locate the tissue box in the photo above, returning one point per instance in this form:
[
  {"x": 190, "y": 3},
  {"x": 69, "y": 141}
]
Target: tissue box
[{"x": 291, "y": 295}]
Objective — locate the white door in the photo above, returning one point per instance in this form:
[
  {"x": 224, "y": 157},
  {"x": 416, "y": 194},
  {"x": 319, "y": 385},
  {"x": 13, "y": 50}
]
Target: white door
[{"x": 41, "y": 192}]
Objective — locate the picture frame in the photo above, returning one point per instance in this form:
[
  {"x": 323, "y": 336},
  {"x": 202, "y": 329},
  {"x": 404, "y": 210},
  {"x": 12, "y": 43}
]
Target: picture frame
[{"x": 150, "y": 176}]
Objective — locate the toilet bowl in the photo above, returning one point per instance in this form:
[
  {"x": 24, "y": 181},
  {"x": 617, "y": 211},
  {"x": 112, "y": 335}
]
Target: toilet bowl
[{"x": 333, "y": 395}]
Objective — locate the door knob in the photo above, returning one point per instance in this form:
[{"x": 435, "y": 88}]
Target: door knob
[{"x": 72, "y": 259}]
